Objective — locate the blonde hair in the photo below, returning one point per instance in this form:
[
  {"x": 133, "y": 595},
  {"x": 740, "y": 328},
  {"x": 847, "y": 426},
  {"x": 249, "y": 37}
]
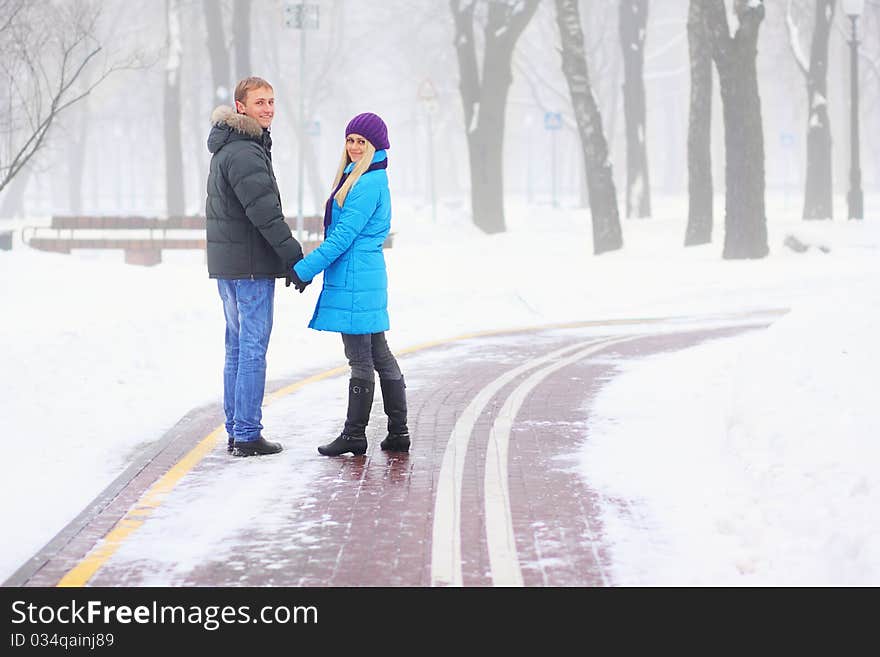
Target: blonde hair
[
  {"x": 245, "y": 85},
  {"x": 362, "y": 165}
]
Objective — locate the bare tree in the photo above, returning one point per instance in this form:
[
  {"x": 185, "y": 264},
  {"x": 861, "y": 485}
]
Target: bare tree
[
  {"x": 76, "y": 151},
  {"x": 818, "y": 190},
  {"x": 50, "y": 58},
  {"x": 745, "y": 221},
  {"x": 700, "y": 213},
  {"x": 325, "y": 57},
  {"x": 484, "y": 97},
  {"x": 13, "y": 195},
  {"x": 547, "y": 93},
  {"x": 218, "y": 53},
  {"x": 241, "y": 31},
  {"x": 174, "y": 192},
  {"x": 600, "y": 181},
  {"x": 868, "y": 93},
  {"x": 869, "y": 51},
  {"x": 633, "y": 25}
]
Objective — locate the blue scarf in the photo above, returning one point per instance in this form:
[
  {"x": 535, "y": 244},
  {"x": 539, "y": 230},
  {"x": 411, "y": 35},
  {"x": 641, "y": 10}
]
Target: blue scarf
[{"x": 328, "y": 207}]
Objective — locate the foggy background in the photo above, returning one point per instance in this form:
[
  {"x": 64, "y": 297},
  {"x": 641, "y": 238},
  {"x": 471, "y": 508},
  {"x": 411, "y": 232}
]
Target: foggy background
[{"x": 106, "y": 154}]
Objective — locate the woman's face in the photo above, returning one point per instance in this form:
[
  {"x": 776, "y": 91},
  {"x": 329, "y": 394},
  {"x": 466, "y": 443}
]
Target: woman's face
[{"x": 355, "y": 145}]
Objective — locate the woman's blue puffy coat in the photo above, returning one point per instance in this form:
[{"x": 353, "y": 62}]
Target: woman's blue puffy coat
[{"x": 354, "y": 298}]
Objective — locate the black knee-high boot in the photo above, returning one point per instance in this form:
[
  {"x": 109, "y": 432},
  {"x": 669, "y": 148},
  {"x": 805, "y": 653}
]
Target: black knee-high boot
[
  {"x": 353, "y": 437},
  {"x": 394, "y": 400}
]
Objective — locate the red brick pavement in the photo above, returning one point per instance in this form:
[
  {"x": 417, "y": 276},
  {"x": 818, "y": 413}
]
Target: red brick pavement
[
  {"x": 371, "y": 523},
  {"x": 554, "y": 511}
]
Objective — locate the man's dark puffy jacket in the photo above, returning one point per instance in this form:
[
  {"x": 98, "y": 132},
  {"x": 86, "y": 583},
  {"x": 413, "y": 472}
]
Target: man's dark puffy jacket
[{"x": 247, "y": 235}]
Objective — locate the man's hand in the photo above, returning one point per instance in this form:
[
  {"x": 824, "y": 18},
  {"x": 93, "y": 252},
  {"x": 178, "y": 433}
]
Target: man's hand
[{"x": 297, "y": 282}]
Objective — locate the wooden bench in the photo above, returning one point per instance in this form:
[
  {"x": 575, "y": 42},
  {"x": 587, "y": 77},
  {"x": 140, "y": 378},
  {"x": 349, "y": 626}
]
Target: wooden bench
[
  {"x": 144, "y": 238},
  {"x": 73, "y": 222}
]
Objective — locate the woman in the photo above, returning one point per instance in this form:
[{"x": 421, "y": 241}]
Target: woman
[{"x": 354, "y": 299}]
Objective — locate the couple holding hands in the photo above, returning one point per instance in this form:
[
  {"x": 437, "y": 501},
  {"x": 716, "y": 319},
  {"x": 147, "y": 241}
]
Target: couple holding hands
[{"x": 249, "y": 245}]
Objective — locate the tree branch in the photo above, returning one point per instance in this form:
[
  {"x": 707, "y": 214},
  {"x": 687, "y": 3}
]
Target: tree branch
[{"x": 52, "y": 75}]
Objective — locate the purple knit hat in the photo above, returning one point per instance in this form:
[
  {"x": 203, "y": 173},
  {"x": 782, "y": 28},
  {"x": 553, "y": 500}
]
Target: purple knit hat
[{"x": 370, "y": 126}]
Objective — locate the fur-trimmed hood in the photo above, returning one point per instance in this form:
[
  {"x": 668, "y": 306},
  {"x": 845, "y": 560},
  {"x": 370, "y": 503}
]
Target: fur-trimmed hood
[{"x": 227, "y": 124}]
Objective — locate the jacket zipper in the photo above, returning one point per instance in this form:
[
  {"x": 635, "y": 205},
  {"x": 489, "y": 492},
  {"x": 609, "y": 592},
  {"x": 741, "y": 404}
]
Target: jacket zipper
[{"x": 251, "y": 251}]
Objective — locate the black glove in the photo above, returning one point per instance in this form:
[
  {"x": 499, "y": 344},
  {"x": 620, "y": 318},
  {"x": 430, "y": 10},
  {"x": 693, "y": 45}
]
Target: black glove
[{"x": 297, "y": 282}]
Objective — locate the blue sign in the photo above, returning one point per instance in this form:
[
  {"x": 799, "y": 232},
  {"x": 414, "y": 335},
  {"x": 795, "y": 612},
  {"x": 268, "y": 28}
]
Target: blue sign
[
  {"x": 552, "y": 120},
  {"x": 786, "y": 139},
  {"x": 301, "y": 16}
]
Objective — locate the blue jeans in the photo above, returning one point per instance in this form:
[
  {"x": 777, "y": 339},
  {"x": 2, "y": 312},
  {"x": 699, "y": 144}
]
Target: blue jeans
[{"x": 249, "y": 306}]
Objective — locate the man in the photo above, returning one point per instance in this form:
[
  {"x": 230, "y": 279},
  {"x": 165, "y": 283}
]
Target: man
[{"x": 249, "y": 246}]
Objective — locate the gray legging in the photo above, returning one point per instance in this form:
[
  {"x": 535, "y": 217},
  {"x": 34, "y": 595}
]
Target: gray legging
[{"x": 370, "y": 352}]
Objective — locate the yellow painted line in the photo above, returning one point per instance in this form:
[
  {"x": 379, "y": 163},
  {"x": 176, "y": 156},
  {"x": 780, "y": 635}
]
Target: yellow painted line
[
  {"x": 80, "y": 574},
  {"x": 545, "y": 327},
  {"x": 293, "y": 387},
  {"x": 567, "y": 325}
]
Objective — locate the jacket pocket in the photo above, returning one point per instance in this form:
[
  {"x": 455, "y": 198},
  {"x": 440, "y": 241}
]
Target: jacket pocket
[{"x": 337, "y": 273}]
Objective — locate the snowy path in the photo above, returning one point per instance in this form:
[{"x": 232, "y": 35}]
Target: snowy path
[{"x": 489, "y": 495}]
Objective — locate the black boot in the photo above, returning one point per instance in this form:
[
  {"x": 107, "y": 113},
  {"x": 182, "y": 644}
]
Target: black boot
[
  {"x": 353, "y": 437},
  {"x": 394, "y": 399},
  {"x": 258, "y": 447}
]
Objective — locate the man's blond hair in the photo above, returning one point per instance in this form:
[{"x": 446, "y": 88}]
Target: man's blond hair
[{"x": 244, "y": 86}]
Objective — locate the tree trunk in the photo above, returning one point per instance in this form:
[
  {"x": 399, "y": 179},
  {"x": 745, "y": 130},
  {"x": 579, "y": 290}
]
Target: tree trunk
[
  {"x": 13, "y": 194},
  {"x": 76, "y": 157},
  {"x": 485, "y": 100},
  {"x": 174, "y": 192},
  {"x": 319, "y": 188},
  {"x": 583, "y": 190},
  {"x": 486, "y": 146},
  {"x": 218, "y": 53},
  {"x": 633, "y": 25},
  {"x": 818, "y": 202},
  {"x": 745, "y": 221},
  {"x": 241, "y": 30},
  {"x": 586, "y": 18},
  {"x": 699, "y": 143},
  {"x": 614, "y": 87},
  {"x": 76, "y": 147},
  {"x": 600, "y": 182}
]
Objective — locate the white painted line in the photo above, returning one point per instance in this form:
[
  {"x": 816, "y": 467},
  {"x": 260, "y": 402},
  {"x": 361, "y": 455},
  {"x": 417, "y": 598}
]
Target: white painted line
[
  {"x": 500, "y": 539},
  {"x": 446, "y": 537}
]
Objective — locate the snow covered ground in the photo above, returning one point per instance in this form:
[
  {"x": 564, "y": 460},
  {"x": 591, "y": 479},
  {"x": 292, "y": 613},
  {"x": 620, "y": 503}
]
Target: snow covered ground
[{"x": 759, "y": 464}]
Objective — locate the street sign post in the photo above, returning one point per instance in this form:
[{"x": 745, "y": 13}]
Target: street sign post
[
  {"x": 301, "y": 16},
  {"x": 428, "y": 95}
]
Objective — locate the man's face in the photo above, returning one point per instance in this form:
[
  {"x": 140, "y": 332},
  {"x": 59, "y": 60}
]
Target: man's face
[{"x": 259, "y": 104}]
